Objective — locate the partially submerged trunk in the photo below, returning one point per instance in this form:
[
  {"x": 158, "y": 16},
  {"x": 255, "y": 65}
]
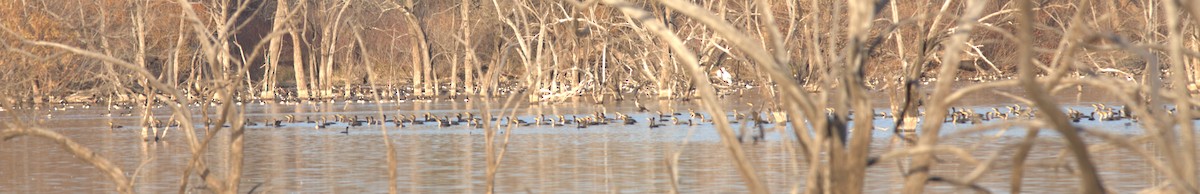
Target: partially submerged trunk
[
  {"x": 274, "y": 50},
  {"x": 139, "y": 27},
  {"x": 416, "y": 71},
  {"x": 298, "y": 66},
  {"x": 420, "y": 49},
  {"x": 329, "y": 41},
  {"x": 469, "y": 62}
]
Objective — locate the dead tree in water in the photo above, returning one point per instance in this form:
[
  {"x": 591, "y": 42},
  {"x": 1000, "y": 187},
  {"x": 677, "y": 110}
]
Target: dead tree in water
[
  {"x": 274, "y": 50},
  {"x": 471, "y": 64},
  {"x": 329, "y": 37},
  {"x": 302, "y": 88},
  {"x": 422, "y": 80}
]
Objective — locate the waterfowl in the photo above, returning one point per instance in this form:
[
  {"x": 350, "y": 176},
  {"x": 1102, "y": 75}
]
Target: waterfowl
[
  {"x": 446, "y": 122},
  {"x": 459, "y": 117},
  {"x": 1074, "y": 115},
  {"x": 346, "y": 131},
  {"x": 629, "y": 121},
  {"x": 414, "y": 120},
  {"x": 962, "y": 117},
  {"x": 693, "y": 113},
  {"x": 476, "y": 123},
  {"x": 112, "y": 126},
  {"x": 975, "y": 118},
  {"x": 504, "y": 122},
  {"x": 601, "y": 120},
  {"x": 1109, "y": 115},
  {"x": 663, "y": 117},
  {"x": 600, "y": 117},
  {"x": 1128, "y": 112},
  {"x": 581, "y": 124},
  {"x": 654, "y": 125},
  {"x": 326, "y": 122},
  {"x": 556, "y": 124},
  {"x": 563, "y": 119},
  {"x": 517, "y": 121},
  {"x": 520, "y": 122},
  {"x": 640, "y": 107}
]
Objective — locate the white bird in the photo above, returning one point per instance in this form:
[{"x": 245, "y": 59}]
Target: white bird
[{"x": 724, "y": 76}]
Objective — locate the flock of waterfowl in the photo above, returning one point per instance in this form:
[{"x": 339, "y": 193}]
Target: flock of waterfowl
[
  {"x": 645, "y": 117},
  {"x": 648, "y": 119},
  {"x": 472, "y": 120},
  {"x": 1099, "y": 112}
]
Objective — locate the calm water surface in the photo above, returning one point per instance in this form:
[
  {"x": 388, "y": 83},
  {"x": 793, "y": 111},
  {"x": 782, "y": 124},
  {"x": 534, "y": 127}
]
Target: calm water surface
[{"x": 298, "y": 158}]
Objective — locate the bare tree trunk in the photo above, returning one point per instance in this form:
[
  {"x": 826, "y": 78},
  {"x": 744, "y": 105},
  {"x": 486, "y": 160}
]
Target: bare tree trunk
[
  {"x": 274, "y": 50},
  {"x": 469, "y": 62},
  {"x": 313, "y": 57},
  {"x": 298, "y": 65},
  {"x": 329, "y": 38},
  {"x": 538, "y": 58},
  {"x": 1195, "y": 68},
  {"x": 454, "y": 75},
  {"x": 139, "y": 27},
  {"x": 422, "y": 67},
  {"x": 175, "y": 55},
  {"x": 108, "y": 66}
]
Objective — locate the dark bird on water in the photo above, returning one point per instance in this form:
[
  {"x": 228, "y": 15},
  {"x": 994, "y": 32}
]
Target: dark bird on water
[
  {"x": 653, "y": 124},
  {"x": 446, "y": 122},
  {"x": 630, "y": 121}
]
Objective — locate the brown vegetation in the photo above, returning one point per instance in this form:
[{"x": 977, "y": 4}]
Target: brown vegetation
[
  {"x": 821, "y": 61},
  {"x": 443, "y": 47}
]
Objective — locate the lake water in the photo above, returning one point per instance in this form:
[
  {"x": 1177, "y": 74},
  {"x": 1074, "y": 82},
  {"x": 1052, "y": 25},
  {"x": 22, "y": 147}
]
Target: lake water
[{"x": 298, "y": 158}]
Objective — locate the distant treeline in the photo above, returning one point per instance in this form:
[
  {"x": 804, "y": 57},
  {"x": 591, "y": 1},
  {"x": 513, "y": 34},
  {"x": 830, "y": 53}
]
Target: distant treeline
[{"x": 473, "y": 47}]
